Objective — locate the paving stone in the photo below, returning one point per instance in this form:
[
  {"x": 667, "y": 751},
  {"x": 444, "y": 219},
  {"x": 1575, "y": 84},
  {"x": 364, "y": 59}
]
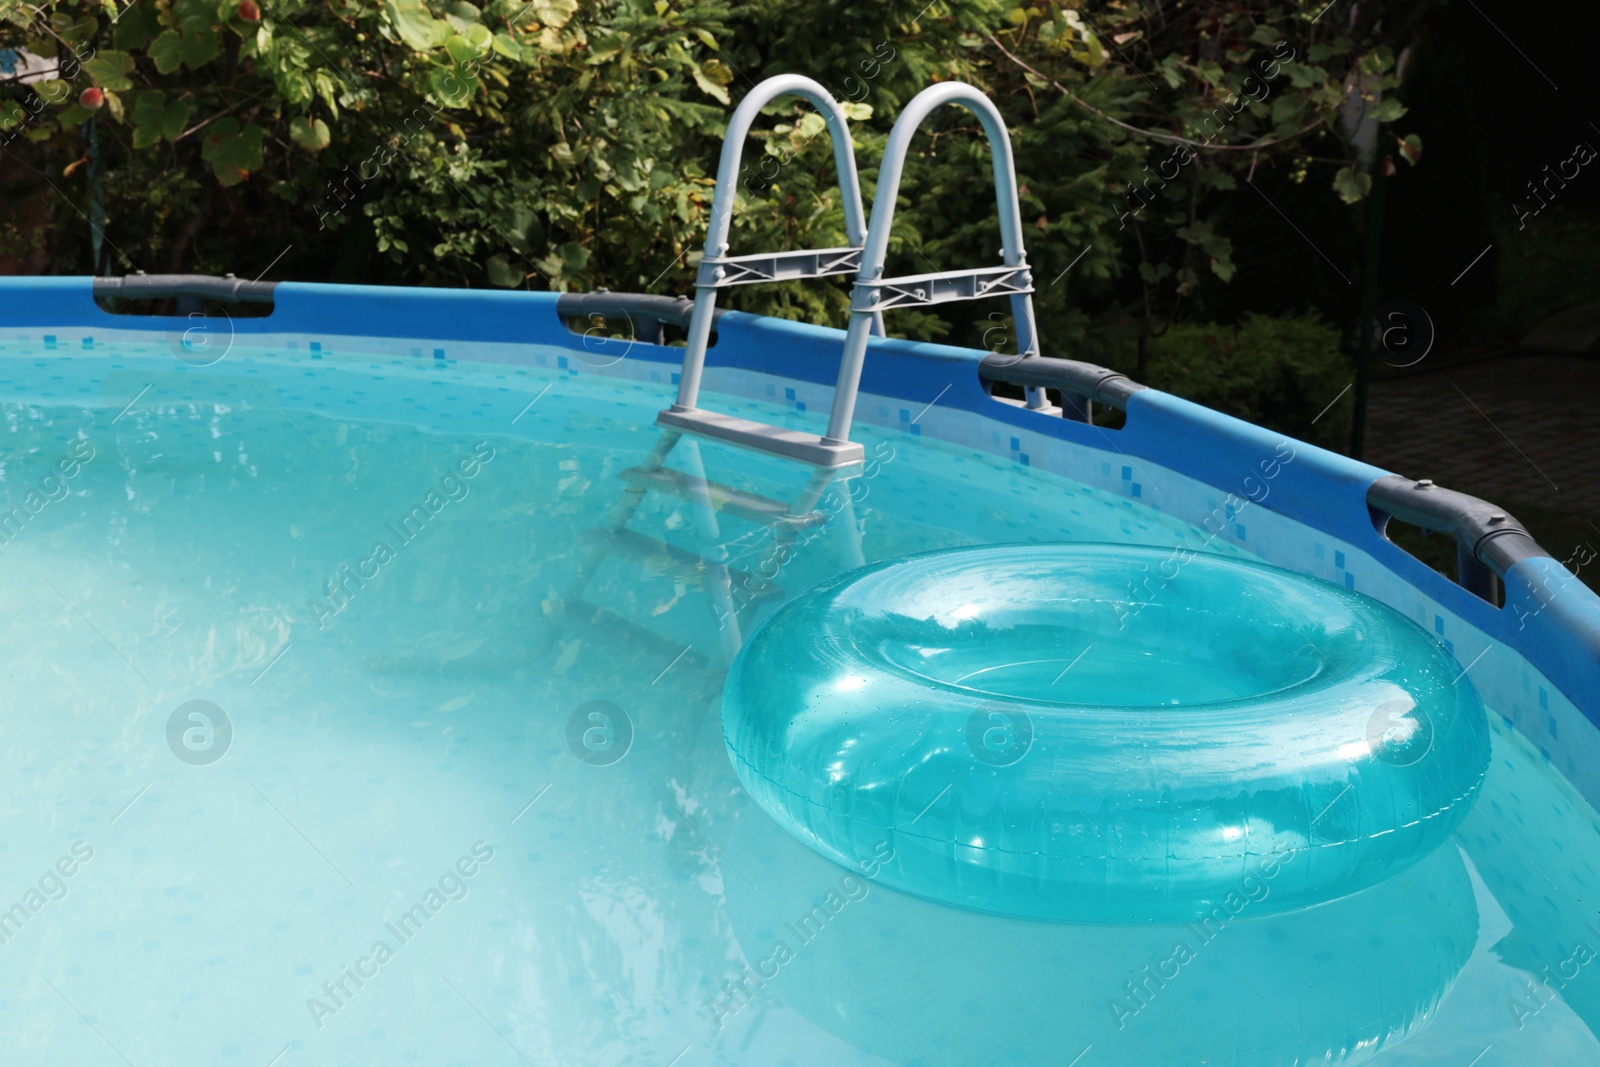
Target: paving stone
[{"x": 1521, "y": 428}]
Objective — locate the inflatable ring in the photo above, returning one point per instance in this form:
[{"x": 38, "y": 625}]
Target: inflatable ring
[{"x": 1104, "y": 732}]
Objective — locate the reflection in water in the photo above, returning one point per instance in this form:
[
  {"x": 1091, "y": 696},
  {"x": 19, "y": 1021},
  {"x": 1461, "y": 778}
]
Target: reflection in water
[
  {"x": 736, "y": 542},
  {"x": 1536, "y": 847},
  {"x": 901, "y": 977}
]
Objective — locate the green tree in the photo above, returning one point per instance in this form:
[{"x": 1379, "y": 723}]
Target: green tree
[{"x": 570, "y": 143}]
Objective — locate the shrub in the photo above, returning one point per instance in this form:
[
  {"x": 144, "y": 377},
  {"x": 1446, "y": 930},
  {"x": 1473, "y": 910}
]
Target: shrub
[{"x": 1278, "y": 371}]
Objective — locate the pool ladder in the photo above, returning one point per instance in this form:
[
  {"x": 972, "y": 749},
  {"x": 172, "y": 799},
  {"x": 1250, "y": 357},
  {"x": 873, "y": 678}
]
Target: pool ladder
[
  {"x": 684, "y": 425},
  {"x": 737, "y": 593},
  {"x": 873, "y": 294},
  {"x": 833, "y": 457}
]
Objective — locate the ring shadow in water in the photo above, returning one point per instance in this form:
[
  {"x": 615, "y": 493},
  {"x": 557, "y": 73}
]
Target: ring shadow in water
[{"x": 911, "y": 980}]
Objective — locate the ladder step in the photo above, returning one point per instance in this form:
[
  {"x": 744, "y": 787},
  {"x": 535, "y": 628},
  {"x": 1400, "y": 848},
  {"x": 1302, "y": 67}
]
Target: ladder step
[
  {"x": 738, "y": 502},
  {"x": 793, "y": 444},
  {"x": 683, "y": 566}
]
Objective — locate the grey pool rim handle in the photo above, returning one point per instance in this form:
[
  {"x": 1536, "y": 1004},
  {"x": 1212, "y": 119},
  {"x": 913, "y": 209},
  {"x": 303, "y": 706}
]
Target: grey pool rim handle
[
  {"x": 1489, "y": 540},
  {"x": 228, "y": 290},
  {"x": 647, "y": 312}
]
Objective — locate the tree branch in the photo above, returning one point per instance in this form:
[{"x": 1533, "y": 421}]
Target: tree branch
[{"x": 1152, "y": 134}]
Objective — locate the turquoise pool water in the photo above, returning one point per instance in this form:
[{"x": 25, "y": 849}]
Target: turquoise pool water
[{"x": 420, "y": 845}]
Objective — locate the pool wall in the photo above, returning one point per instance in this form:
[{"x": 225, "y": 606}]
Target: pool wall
[{"x": 1536, "y": 661}]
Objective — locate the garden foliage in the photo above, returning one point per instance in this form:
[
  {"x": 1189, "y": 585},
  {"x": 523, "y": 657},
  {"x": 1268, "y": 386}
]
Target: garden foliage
[{"x": 571, "y": 144}]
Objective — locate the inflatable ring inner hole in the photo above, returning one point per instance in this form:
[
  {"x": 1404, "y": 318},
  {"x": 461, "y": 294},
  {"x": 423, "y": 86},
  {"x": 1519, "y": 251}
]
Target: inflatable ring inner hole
[{"x": 1104, "y": 647}]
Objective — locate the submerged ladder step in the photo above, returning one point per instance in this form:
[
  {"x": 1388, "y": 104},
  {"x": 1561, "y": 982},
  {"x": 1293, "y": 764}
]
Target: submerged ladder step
[
  {"x": 734, "y": 501},
  {"x": 684, "y": 566},
  {"x": 795, "y": 444}
]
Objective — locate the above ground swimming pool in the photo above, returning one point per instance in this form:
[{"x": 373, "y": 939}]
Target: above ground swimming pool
[{"x": 364, "y": 706}]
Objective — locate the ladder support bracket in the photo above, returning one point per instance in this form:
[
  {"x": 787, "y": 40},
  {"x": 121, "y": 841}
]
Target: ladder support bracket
[
  {"x": 725, "y": 271},
  {"x": 918, "y": 290}
]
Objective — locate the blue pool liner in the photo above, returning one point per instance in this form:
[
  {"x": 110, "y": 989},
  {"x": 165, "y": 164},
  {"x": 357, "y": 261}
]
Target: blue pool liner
[{"x": 1550, "y": 619}]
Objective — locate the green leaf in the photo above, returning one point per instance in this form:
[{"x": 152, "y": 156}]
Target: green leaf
[
  {"x": 709, "y": 87},
  {"x": 1387, "y": 110},
  {"x": 296, "y": 88},
  {"x": 329, "y": 91},
  {"x": 554, "y": 13},
  {"x": 75, "y": 30},
  {"x": 460, "y": 49},
  {"x": 452, "y": 87},
  {"x": 1411, "y": 148},
  {"x": 145, "y": 136},
  {"x": 233, "y": 152},
  {"x": 155, "y": 120},
  {"x": 574, "y": 257},
  {"x": 526, "y": 228},
  {"x": 310, "y": 134},
  {"x": 110, "y": 70},
  {"x": 53, "y": 91},
  {"x": 507, "y": 47},
  {"x": 134, "y": 28},
  {"x": 415, "y": 24},
  {"x": 503, "y": 274},
  {"x": 199, "y": 47},
  {"x": 174, "y": 120},
  {"x": 1352, "y": 184},
  {"x": 73, "y": 115},
  {"x": 166, "y": 51},
  {"x": 1304, "y": 75},
  {"x": 148, "y": 106},
  {"x": 480, "y": 38},
  {"x": 197, "y": 14},
  {"x": 1095, "y": 51}
]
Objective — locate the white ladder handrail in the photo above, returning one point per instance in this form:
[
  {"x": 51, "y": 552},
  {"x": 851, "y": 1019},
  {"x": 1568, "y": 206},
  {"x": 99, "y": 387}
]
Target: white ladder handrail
[
  {"x": 959, "y": 285},
  {"x": 713, "y": 272}
]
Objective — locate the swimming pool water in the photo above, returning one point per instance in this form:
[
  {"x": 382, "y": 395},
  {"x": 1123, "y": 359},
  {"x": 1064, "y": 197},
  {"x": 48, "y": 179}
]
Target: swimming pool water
[{"x": 372, "y": 565}]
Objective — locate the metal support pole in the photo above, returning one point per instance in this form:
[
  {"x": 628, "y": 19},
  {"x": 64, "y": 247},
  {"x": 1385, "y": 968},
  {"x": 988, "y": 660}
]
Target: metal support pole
[{"x": 1369, "y": 309}]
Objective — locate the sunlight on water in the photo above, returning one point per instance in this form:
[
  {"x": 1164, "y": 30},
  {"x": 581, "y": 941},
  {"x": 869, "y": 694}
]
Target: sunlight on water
[{"x": 458, "y": 792}]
